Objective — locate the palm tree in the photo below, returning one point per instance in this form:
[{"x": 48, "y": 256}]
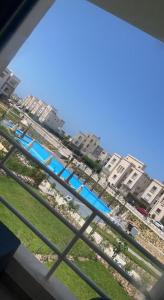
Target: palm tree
[
  {"x": 120, "y": 246},
  {"x": 103, "y": 191},
  {"x": 66, "y": 166},
  {"x": 25, "y": 131},
  {"x": 95, "y": 184},
  {"x": 88, "y": 177}
]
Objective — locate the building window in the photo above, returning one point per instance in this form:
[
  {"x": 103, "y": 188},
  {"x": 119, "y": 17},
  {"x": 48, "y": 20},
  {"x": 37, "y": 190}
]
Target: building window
[
  {"x": 153, "y": 189},
  {"x": 134, "y": 176},
  {"x": 158, "y": 211},
  {"x": 120, "y": 169},
  {"x": 129, "y": 182},
  {"x": 3, "y": 74},
  {"x": 113, "y": 161},
  {"x": 114, "y": 176},
  {"x": 13, "y": 82},
  {"x": 148, "y": 196},
  {"x": 162, "y": 202},
  {"x": 6, "y": 89}
]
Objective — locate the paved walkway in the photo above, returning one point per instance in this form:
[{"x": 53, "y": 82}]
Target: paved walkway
[{"x": 145, "y": 262}]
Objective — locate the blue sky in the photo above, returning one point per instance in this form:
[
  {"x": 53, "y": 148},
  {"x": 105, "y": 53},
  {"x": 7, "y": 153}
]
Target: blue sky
[{"x": 102, "y": 74}]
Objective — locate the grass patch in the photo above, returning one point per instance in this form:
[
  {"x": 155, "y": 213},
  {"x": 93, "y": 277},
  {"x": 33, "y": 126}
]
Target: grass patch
[
  {"x": 35, "y": 213},
  {"x": 60, "y": 235},
  {"x": 98, "y": 273},
  {"x": 112, "y": 240}
]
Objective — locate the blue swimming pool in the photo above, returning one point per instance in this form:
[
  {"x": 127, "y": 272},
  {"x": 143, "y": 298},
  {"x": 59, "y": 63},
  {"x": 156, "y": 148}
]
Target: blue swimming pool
[{"x": 42, "y": 154}]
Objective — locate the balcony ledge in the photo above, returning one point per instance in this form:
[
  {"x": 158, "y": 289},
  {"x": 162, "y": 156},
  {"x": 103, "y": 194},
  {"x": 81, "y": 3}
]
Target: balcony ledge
[{"x": 29, "y": 274}]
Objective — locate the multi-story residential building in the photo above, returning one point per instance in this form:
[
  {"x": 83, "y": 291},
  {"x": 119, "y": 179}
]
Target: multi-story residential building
[
  {"x": 79, "y": 139},
  {"x": 52, "y": 121},
  {"x": 135, "y": 183},
  {"x": 45, "y": 114},
  {"x": 8, "y": 83},
  {"x": 112, "y": 163},
  {"x": 100, "y": 155},
  {"x": 29, "y": 103},
  {"x": 135, "y": 162},
  {"x": 153, "y": 192},
  {"x": 157, "y": 211},
  {"x": 87, "y": 143},
  {"x": 104, "y": 157},
  {"x": 121, "y": 170}
]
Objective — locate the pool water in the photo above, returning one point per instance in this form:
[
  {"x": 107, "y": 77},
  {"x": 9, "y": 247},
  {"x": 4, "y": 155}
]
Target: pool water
[{"x": 42, "y": 154}]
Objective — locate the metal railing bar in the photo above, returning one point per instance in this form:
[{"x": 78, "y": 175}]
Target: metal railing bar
[
  {"x": 73, "y": 192},
  {"x": 89, "y": 281},
  {"x": 30, "y": 225},
  {"x": 53, "y": 247},
  {"x": 40, "y": 199},
  {"x": 114, "y": 265},
  {"x": 9, "y": 154},
  {"x": 71, "y": 244},
  {"x": 74, "y": 229}
]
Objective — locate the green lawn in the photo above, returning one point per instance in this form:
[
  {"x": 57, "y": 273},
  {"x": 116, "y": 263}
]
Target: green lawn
[
  {"x": 60, "y": 235},
  {"x": 35, "y": 213},
  {"x": 98, "y": 274},
  {"x": 112, "y": 240}
]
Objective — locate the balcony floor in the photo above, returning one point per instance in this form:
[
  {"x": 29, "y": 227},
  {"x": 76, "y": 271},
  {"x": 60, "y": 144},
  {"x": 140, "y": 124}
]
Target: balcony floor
[{"x": 9, "y": 291}]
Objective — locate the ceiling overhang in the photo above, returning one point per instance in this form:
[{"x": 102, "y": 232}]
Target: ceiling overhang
[{"x": 147, "y": 15}]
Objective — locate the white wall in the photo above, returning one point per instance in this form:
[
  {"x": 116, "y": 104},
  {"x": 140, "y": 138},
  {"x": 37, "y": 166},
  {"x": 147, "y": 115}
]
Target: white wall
[
  {"x": 122, "y": 169},
  {"x": 112, "y": 163},
  {"x": 158, "y": 209},
  {"x": 149, "y": 195}
]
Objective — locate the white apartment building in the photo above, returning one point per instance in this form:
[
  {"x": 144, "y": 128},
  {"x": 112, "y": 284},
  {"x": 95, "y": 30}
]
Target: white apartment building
[
  {"x": 36, "y": 107},
  {"x": 100, "y": 155},
  {"x": 79, "y": 139},
  {"x": 44, "y": 111},
  {"x": 29, "y": 103},
  {"x": 112, "y": 163},
  {"x": 52, "y": 121},
  {"x": 120, "y": 172},
  {"x": 104, "y": 157},
  {"x": 152, "y": 192},
  {"x": 158, "y": 209},
  {"x": 8, "y": 83},
  {"x": 135, "y": 183},
  {"x": 135, "y": 162},
  {"x": 45, "y": 114},
  {"x": 87, "y": 143}
]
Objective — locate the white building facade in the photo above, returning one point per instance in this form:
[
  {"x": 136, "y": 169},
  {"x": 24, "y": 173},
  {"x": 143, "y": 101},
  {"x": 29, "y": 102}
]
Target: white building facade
[
  {"x": 121, "y": 170},
  {"x": 153, "y": 192},
  {"x": 135, "y": 162},
  {"x": 157, "y": 212},
  {"x": 87, "y": 143},
  {"x": 8, "y": 83},
  {"x": 135, "y": 183},
  {"x": 45, "y": 114},
  {"x": 112, "y": 163}
]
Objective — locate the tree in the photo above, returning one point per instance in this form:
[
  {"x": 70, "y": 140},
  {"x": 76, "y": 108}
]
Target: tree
[
  {"x": 128, "y": 266},
  {"x": 73, "y": 206},
  {"x": 92, "y": 164},
  {"x": 38, "y": 175},
  {"x": 120, "y": 246}
]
